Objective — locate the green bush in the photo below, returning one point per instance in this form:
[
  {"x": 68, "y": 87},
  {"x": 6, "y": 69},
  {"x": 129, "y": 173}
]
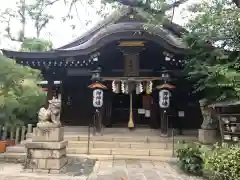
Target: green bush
[
  {"x": 20, "y": 96},
  {"x": 190, "y": 158},
  {"x": 223, "y": 163}
]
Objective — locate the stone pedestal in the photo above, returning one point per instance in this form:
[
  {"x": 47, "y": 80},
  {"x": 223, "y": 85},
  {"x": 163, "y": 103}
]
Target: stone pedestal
[
  {"x": 47, "y": 151},
  {"x": 207, "y": 136}
]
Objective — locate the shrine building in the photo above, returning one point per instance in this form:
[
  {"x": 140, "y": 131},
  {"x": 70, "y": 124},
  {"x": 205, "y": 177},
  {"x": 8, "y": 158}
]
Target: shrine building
[{"x": 122, "y": 48}]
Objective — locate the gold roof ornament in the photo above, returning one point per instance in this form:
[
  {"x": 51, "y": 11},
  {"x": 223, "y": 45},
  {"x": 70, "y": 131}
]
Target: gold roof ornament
[{"x": 131, "y": 43}]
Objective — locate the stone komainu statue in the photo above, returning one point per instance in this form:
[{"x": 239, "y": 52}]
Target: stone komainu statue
[{"x": 52, "y": 114}]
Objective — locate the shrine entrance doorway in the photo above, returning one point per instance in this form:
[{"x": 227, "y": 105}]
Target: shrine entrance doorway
[
  {"x": 77, "y": 108},
  {"x": 121, "y": 110},
  {"x": 120, "y": 107}
]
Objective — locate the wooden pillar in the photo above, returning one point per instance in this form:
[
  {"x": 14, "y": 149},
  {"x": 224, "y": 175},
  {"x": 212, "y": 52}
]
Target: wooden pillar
[{"x": 154, "y": 119}]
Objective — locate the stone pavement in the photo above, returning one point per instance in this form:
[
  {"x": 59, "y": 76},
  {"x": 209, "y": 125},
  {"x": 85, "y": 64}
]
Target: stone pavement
[
  {"x": 137, "y": 170},
  {"x": 105, "y": 170}
]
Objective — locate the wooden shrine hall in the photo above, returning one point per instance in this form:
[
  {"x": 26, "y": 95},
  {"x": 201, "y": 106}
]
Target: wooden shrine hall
[{"x": 123, "y": 50}]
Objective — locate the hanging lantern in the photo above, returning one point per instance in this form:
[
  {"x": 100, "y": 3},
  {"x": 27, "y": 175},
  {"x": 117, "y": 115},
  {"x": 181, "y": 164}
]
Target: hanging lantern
[
  {"x": 97, "y": 98},
  {"x": 164, "y": 98}
]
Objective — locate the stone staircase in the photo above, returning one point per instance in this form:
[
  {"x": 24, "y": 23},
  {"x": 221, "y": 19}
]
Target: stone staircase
[{"x": 111, "y": 147}]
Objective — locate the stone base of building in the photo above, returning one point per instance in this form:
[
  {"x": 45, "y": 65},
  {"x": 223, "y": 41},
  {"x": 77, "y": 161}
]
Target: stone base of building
[
  {"x": 47, "y": 152},
  {"x": 207, "y": 136}
]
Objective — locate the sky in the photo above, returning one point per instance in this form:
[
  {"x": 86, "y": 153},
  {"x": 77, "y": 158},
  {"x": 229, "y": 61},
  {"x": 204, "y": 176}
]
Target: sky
[{"x": 59, "y": 32}]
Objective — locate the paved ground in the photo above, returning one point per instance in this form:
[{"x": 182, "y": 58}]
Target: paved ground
[
  {"x": 105, "y": 170},
  {"x": 137, "y": 170}
]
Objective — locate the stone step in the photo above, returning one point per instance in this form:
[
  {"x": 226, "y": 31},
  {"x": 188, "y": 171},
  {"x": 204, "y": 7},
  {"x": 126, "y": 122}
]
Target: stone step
[
  {"x": 15, "y": 149},
  {"x": 114, "y": 138},
  {"x": 127, "y": 138},
  {"x": 121, "y": 151},
  {"x": 104, "y": 151},
  {"x": 103, "y": 144},
  {"x": 125, "y": 157},
  {"x": 20, "y": 157},
  {"x": 14, "y": 157},
  {"x": 112, "y": 130}
]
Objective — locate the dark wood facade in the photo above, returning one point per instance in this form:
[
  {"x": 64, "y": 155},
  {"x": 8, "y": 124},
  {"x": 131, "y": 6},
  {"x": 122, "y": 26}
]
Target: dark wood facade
[{"x": 162, "y": 50}]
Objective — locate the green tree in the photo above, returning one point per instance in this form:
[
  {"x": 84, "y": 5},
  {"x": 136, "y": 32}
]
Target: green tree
[
  {"x": 23, "y": 13},
  {"x": 39, "y": 16},
  {"x": 35, "y": 45},
  {"x": 20, "y": 97},
  {"x": 214, "y": 39}
]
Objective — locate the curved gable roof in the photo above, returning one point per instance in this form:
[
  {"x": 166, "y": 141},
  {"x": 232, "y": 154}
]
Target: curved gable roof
[
  {"x": 113, "y": 29},
  {"x": 117, "y": 29},
  {"x": 114, "y": 18}
]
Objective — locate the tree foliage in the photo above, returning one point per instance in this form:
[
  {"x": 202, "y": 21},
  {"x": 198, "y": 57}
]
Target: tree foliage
[
  {"x": 39, "y": 16},
  {"x": 35, "y": 45},
  {"x": 20, "y": 97},
  {"x": 214, "y": 38},
  {"x": 156, "y": 8},
  {"x": 18, "y": 14},
  {"x": 25, "y": 13}
]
